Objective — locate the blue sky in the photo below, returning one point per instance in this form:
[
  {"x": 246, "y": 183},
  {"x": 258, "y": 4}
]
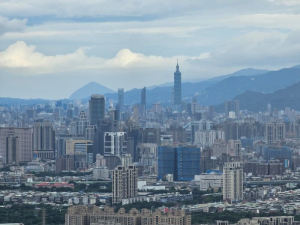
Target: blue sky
[{"x": 50, "y": 48}]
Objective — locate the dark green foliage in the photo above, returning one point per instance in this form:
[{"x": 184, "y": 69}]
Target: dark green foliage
[
  {"x": 26, "y": 215},
  {"x": 5, "y": 169}
]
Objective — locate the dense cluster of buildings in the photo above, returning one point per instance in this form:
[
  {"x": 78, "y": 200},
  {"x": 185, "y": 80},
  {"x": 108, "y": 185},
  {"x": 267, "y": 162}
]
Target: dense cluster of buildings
[
  {"x": 176, "y": 141},
  {"x": 82, "y": 215}
]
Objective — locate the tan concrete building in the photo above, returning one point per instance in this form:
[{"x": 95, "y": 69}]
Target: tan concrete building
[
  {"x": 82, "y": 215},
  {"x": 16, "y": 145},
  {"x": 233, "y": 181},
  {"x": 125, "y": 179},
  {"x": 43, "y": 140}
]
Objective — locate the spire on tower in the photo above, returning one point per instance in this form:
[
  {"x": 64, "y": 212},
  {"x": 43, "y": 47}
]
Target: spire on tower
[{"x": 177, "y": 66}]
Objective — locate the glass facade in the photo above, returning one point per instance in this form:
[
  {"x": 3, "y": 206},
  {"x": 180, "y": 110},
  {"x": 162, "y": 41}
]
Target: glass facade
[{"x": 183, "y": 162}]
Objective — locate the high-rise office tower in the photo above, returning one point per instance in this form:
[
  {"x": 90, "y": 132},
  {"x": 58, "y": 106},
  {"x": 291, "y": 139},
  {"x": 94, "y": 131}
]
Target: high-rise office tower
[
  {"x": 227, "y": 108},
  {"x": 82, "y": 123},
  {"x": 143, "y": 101},
  {"x": 233, "y": 181},
  {"x": 115, "y": 143},
  {"x": 269, "y": 108},
  {"x": 124, "y": 183},
  {"x": 236, "y": 104},
  {"x": 183, "y": 162},
  {"x": 177, "y": 88},
  {"x": 120, "y": 102},
  {"x": 274, "y": 132},
  {"x": 43, "y": 140},
  {"x": 96, "y": 108},
  {"x": 16, "y": 145},
  {"x": 211, "y": 112}
]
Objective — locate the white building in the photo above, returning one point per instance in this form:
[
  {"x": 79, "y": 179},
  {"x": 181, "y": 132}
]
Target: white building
[
  {"x": 204, "y": 138},
  {"x": 101, "y": 173},
  {"x": 115, "y": 143},
  {"x": 209, "y": 180}
]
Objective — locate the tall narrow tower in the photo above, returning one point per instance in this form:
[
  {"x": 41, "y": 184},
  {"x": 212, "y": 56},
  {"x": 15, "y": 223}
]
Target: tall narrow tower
[
  {"x": 96, "y": 108},
  {"x": 177, "y": 88},
  {"x": 120, "y": 101}
]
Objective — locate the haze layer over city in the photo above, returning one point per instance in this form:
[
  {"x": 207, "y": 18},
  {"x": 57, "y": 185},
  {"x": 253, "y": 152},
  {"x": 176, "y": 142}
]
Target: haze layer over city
[{"x": 150, "y": 112}]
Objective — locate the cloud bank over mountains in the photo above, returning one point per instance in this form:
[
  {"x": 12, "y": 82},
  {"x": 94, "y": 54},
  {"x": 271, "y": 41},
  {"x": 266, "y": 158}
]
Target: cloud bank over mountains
[{"x": 137, "y": 43}]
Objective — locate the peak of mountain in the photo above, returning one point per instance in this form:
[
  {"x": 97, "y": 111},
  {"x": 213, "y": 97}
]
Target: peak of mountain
[
  {"x": 242, "y": 72},
  {"x": 233, "y": 86},
  {"x": 89, "y": 89},
  {"x": 286, "y": 97}
]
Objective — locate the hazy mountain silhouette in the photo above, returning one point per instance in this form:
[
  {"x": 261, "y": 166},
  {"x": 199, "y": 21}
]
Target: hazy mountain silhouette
[
  {"x": 89, "y": 89},
  {"x": 230, "y": 87},
  {"x": 287, "y": 97}
]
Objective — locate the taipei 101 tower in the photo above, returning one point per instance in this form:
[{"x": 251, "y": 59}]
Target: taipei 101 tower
[{"x": 177, "y": 88}]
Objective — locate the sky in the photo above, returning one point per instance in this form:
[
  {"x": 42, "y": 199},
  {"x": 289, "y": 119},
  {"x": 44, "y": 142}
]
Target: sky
[{"x": 50, "y": 48}]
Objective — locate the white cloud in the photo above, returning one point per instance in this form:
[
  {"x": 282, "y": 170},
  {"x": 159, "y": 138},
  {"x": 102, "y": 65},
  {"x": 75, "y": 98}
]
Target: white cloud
[{"x": 21, "y": 56}]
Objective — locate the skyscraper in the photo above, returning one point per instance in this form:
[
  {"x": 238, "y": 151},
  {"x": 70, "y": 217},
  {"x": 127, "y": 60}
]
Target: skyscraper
[
  {"x": 227, "y": 108},
  {"x": 143, "y": 101},
  {"x": 233, "y": 181},
  {"x": 124, "y": 183},
  {"x": 43, "y": 140},
  {"x": 120, "y": 102},
  {"x": 183, "y": 162},
  {"x": 274, "y": 132},
  {"x": 236, "y": 107},
  {"x": 16, "y": 145},
  {"x": 96, "y": 108},
  {"x": 177, "y": 88}
]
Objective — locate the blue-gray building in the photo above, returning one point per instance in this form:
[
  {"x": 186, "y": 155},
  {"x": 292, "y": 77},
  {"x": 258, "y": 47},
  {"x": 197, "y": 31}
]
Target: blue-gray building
[
  {"x": 183, "y": 162},
  {"x": 177, "y": 88},
  {"x": 284, "y": 154}
]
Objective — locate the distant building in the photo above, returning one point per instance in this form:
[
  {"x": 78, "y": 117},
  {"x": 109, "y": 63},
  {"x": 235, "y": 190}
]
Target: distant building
[
  {"x": 101, "y": 173},
  {"x": 211, "y": 179},
  {"x": 236, "y": 104},
  {"x": 143, "y": 101},
  {"x": 83, "y": 215},
  {"x": 64, "y": 163},
  {"x": 274, "y": 132},
  {"x": 115, "y": 143},
  {"x": 96, "y": 108},
  {"x": 120, "y": 102},
  {"x": 264, "y": 168},
  {"x": 100, "y": 161},
  {"x": 204, "y": 138},
  {"x": 43, "y": 140},
  {"x": 183, "y": 162},
  {"x": 227, "y": 108},
  {"x": 177, "y": 88},
  {"x": 283, "y": 154},
  {"x": 15, "y": 145},
  {"x": 125, "y": 183},
  {"x": 233, "y": 181},
  {"x": 82, "y": 150},
  {"x": 166, "y": 140}
]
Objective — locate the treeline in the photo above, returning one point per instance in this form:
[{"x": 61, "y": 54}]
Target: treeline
[{"x": 30, "y": 215}]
